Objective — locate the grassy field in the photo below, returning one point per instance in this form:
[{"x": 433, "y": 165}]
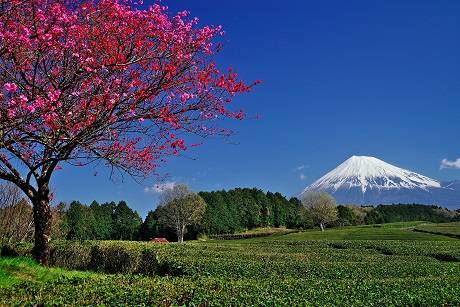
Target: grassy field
[
  {"x": 359, "y": 266},
  {"x": 391, "y": 231},
  {"x": 442, "y": 228},
  {"x": 16, "y": 271}
]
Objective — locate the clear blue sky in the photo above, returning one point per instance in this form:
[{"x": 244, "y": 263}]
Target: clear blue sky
[{"x": 379, "y": 78}]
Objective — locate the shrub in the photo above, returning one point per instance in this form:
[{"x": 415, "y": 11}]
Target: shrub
[
  {"x": 8, "y": 251},
  {"x": 107, "y": 257},
  {"x": 13, "y": 250}
]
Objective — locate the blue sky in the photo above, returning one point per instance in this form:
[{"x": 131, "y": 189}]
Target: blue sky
[{"x": 340, "y": 78}]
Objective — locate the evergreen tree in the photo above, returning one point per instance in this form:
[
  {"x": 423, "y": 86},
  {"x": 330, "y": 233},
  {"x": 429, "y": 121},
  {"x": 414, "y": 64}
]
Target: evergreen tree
[
  {"x": 346, "y": 216},
  {"x": 103, "y": 216},
  {"x": 126, "y": 222},
  {"x": 81, "y": 221},
  {"x": 295, "y": 218},
  {"x": 248, "y": 210},
  {"x": 150, "y": 227},
  {"x": 374, "y": 217}
]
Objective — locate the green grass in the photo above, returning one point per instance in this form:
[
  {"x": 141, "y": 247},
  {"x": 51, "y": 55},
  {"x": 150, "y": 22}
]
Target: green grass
[
  {"x": 390, "y": 231},
  {"x": 442, "y": 228},
  {"x": 266, "y": 230},
  {"x": 22, "y": 269},
  {"x": 309, "y": 268}
]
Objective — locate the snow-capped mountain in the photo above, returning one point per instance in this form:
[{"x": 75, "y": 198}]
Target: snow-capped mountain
[{"x": 368, "y": 180}]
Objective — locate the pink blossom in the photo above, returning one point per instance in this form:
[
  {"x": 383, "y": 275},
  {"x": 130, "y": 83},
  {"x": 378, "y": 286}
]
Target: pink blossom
[
  {"x": 185, "y": 96},
  {"x": 31, "y": 108},
  {"x": 54, "y": 95},
  {"x": 10, "y": 87},
  {"x": 22, "y": 99},
  {"x": 11, "y": 113},
  {"x": 47, "y": 37},
  {"x": 126, "y": 93}
]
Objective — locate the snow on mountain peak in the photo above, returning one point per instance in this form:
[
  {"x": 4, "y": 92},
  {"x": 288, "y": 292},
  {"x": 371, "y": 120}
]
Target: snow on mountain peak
[{"x": 371, "y": 173}]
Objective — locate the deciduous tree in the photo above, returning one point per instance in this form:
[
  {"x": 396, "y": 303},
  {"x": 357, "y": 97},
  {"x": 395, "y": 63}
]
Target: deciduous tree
[
  {"x": 82, "y": 81},
  {"x": 321, "y": 207},
  {"x": 16, "y": 220},
  {"x": 179, "y": 208}
]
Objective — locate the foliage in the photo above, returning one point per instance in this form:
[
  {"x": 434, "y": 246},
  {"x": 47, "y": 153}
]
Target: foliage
[
  {"x": 81, "y": 221},
  {"x": 349, "y": 215},
  {"x": 59, "y": 224},
  {"x": 105, "y": 256},
  {"x": 180, "y": 208},
  {"x": 149, "y": 227},
  {"x": 321, "y": 207},
  {"x": 281, "y": 270},
  {"x": 243, "y": 208},
  {"x": 224, "y": 215},
  {"x": 374, "y": 217},
  {"x": 452, "y": 229},
  {"x": 220, "y": 216},
  {"x": 99, "y": 221},
  {"x": 103, "y": 223},
  {"x": 87, "y": 81},
  {"x": 409, "y": 212},
  {"x": 126, "y": 222},
  {"x": 254, "y": 233},
  {"x": 305, "y": 220}
]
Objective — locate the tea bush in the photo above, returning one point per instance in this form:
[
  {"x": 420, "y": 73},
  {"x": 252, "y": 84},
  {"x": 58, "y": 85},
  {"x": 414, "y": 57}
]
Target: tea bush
[{"x": 265, "y": 271}]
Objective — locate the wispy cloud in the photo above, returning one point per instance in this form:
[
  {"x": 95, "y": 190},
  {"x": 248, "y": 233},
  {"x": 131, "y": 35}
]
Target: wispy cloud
[
  {"x": 299, "y": 168},
  {"x": 160, "y": 187},
  {"x": 450, "y": 164},
  {"x": 302, "y": 176}
]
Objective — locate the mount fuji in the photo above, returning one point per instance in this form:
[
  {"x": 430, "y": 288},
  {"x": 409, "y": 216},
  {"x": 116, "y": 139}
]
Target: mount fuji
[{"x": 367, "y": 180}]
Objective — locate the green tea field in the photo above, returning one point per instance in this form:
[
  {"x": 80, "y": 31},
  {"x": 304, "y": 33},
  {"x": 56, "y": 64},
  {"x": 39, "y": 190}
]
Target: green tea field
[{"x": 355, "y": 266}]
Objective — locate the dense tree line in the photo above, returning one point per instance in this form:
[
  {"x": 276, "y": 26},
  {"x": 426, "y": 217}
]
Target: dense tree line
[
  {"x": 359, "y": 215},
  {"x": 239, "y": 209},
  {"x": 225, "y": 212},
  {"x": 232, "y": 211},
  {"x": 411, "y": 212},
  {"x": 107, "y": 221}
]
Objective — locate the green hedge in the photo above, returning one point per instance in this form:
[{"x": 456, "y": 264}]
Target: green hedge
[{"x": 103, "y": 256}]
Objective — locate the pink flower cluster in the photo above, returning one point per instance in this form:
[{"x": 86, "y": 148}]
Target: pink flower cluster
[{"x": 113, "y": 79}]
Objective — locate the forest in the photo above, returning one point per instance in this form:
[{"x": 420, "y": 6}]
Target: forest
[{"x": 226, "y": 212}]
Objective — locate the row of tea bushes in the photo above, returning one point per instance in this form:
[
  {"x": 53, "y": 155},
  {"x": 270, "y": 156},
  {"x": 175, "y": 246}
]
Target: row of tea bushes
[
  {"x": 301, "y": 259},
  {"x": 252, "y": 272},
  {"x": 102, "y": 256},
  {"x": 137, "y": 290}
]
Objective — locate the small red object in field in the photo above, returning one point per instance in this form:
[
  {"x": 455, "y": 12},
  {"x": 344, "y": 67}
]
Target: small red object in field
[{"x": 159, "y": 240}]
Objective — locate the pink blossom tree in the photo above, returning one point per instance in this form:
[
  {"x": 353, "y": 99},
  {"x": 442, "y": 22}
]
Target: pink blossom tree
[{"x": 85, "y": 81}]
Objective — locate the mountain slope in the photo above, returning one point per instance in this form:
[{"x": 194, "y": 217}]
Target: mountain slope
[{"x": 368, "y": 180}]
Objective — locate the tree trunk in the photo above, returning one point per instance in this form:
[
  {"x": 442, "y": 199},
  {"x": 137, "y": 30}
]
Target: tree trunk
[
  {"x": 42, "y": 221},
  {"x": 322, "y": 226},
  {"x": 180, "y": 235}
]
